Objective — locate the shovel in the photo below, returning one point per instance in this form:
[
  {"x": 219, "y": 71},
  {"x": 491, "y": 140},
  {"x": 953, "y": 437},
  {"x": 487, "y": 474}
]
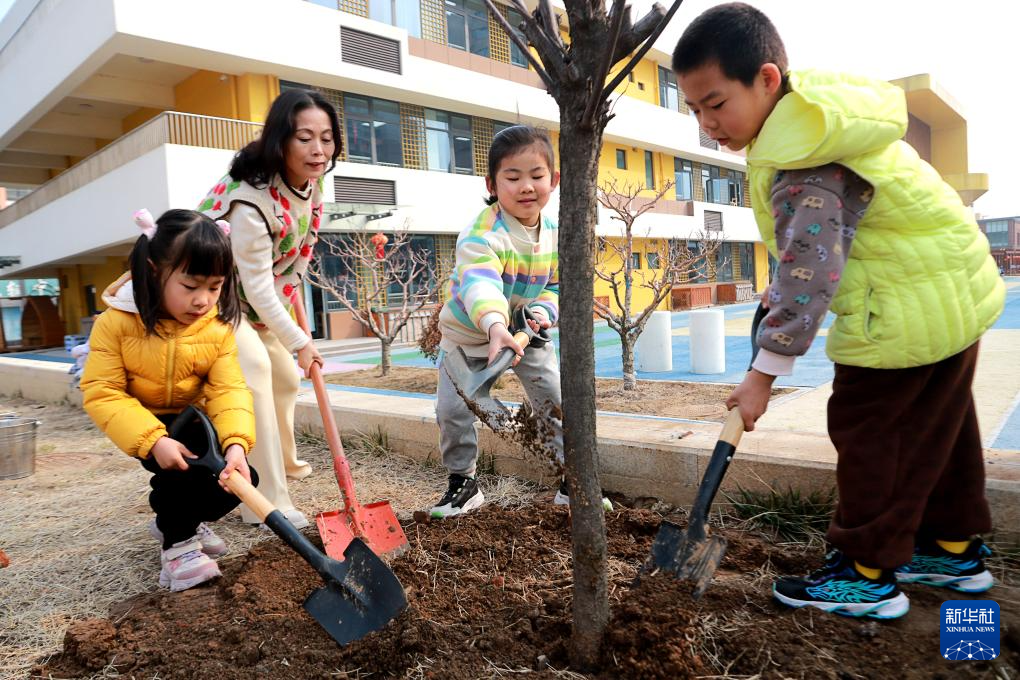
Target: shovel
[
  {"x": 694, "y": 554},
  {"x": 474, "y": 386},
  {"x": 360, "y": 595},
  {"x": 373, "y": 523}
]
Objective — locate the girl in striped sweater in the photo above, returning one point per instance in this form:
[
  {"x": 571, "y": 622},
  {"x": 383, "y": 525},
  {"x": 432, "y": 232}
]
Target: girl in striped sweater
[{"x": 505, "y": 260}]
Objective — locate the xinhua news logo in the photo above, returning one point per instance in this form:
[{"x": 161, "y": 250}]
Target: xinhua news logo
[{"x": 970, "y": 630}]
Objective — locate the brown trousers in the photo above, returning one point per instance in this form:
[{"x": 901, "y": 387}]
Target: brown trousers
[{"x": 910, "y": 462}]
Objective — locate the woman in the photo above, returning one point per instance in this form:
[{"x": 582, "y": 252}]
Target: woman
[{"x": 272, "y": 199}]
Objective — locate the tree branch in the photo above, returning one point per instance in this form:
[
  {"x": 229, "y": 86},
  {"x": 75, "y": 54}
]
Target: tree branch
[
  {"x": 639, "y": 28},
  {"x": 596, "y": 96},
  {"x": 512, "y": 34}
]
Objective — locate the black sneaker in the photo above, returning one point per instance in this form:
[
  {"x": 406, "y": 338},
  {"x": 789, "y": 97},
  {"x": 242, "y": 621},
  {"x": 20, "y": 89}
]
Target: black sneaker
[
  {"x": 463, "y": 495},
  {"x": 839, "y": 588},
  {"x": 933, "y": 565},
  {"x": 562, "y": 497}
]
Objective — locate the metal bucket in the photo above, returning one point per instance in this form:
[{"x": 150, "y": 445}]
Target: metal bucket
[{"x": 17, "y": 447}]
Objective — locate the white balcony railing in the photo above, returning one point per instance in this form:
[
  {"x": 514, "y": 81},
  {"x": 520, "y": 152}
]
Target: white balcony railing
[{"x": 169, "y": 127}]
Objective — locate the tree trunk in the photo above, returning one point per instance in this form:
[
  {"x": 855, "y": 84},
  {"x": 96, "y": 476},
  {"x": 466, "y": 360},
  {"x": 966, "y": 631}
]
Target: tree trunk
[
  {"x": 629, "y": 377},
  {"x": 384, "y": 359},
  {"x": 579, "y": 154}
]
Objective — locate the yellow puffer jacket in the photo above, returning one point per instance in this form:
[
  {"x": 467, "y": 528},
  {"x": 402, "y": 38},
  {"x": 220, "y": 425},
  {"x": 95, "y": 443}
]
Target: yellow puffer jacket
[
  {"x": 920, "y": 284},
  {"x": 130, "y": 376}
]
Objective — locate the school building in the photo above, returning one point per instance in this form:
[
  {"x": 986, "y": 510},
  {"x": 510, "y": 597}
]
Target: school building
[
  {"x": 143, "y": 105},
  {"x": 1004, "y": 237}
]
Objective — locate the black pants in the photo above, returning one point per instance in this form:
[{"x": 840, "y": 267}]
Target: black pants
[
  {"x": 910, "y": 463},
  {"x": 184, "y": 499}
]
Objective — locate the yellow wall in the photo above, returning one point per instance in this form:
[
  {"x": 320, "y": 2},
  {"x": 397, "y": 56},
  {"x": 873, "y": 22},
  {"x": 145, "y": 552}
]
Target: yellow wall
[
  {"x": 206, "y": 94},
  {"x": 641, "y": 296},
  {"x": 645, "y": 74},
  {"x": 255, "y": 94},
  {"x": 142, "y": 115},
  {"x": 73, "y": 280},
  {"x": 761, "y": 266}
]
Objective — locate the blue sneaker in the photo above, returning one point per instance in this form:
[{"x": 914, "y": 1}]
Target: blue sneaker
[
  {"x": 933, "y": 565},
  {"x": 839, "y": 588}
]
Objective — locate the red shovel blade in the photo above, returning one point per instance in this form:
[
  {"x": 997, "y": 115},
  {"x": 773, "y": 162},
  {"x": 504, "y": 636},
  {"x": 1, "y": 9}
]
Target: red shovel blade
[{"x": 373, "y": 523}]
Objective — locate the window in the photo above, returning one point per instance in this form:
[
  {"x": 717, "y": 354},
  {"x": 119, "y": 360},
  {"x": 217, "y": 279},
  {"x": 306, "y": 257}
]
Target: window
[
  {"x": 683, "y": 175},
  {"x": 635, "y": 260},
  {"x": 998, "y": 233},
  {"x": 621, "y": 159},
  {"x": 669, "y": 92},
  {"x": 373, "y": 130},
  {"x": 498, "y": 127},
  {"x": 724, "y": 262},
  {"x": 652, "y": 260},
  {"x": 467, "y": 26},
  {"x": 699, "y": 266},
  {"x": 405, "y": 15},
  {"x": 517, "y": 57},
  {"x": 716, "y": 187},
  {"x": 736, "y": 187},
  {"x": 746, "y": 261},
  {"x": 649, "y": 170},
  {"x": 448, "y": 142}
]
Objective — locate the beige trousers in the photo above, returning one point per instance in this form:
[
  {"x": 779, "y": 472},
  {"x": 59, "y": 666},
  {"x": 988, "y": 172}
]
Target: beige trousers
[{"x": 272, "y": 377}]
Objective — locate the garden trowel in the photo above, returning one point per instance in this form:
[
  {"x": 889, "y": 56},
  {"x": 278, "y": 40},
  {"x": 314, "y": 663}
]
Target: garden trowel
[
  {"x": 474, "y": 386},
  {"x": 360, "y": 595},
  {"x": 694, "y": 554}
]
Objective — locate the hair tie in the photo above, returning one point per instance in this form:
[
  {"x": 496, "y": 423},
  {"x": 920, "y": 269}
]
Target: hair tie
[
  {"x": 143, "y": 218},
  {"x": 224, "y": 227}
]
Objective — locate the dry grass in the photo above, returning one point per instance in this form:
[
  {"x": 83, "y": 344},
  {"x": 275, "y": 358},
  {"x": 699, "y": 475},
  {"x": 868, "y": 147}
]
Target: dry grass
[{"x": 76, "y": 530}]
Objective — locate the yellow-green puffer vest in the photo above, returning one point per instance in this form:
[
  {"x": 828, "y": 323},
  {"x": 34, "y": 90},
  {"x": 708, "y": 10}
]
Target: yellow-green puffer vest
[
  {"x": 920, "y": 284},
  {"x": 130, "y": 376}
]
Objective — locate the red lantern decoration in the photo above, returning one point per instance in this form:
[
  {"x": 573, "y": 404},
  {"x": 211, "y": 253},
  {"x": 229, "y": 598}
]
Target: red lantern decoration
[{"x": 379, "y": 241}]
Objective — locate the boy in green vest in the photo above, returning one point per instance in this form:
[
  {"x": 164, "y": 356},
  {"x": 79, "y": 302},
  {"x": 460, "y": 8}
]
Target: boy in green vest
[{"x": 864, "y": 227}]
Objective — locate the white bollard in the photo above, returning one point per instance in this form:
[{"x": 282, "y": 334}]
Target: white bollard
[
  {"x": 708, "y": 341},
  {"x": 654, "y": 347}
]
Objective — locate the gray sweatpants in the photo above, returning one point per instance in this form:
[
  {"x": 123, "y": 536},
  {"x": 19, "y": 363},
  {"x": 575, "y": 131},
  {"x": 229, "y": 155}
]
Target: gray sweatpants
[{"x": 539, "y": 373}]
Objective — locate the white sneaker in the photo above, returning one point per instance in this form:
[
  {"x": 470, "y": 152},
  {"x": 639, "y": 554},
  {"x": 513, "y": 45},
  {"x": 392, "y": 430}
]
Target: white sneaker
[
  {"x": 185, "y": 565},
  {"x": 562, "y": 497},
  {"x": 212, "y": 545},
  {"x": 300, "y": 471}
]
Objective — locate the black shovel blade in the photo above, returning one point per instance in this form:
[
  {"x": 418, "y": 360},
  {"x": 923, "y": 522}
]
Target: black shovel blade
[
  {"x": 361, "y": 595},
  {"x": 688, "y": 555}
]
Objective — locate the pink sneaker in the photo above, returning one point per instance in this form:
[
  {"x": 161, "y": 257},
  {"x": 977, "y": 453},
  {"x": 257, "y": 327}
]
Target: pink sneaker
[
  {"x": 185, "y": 565},
  {"x": 212, "y": 545}
]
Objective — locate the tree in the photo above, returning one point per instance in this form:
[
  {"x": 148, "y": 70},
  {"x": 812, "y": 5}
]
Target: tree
[
  {"x": 614, "y": 265},
  {"x": 384, "y": 284},
  {"x": 575, "y": 75}
]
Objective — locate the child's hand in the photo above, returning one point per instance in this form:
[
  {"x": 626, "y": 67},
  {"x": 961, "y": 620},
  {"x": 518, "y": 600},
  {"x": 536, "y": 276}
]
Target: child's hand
[
  {"x": 307, "y": 356},
  {"x": 537, "y": 326},
  {"x": 236, "y": 460},
  {"x": 752, "y": 396},
  {"x": 499, "y": 339},
  {"x": 170, "y": 454}
]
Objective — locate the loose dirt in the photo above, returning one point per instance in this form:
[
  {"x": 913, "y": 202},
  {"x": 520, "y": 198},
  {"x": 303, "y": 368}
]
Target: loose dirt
[
  {"x": 697, "y": 401},
  {"x": 490, "y": 596}
]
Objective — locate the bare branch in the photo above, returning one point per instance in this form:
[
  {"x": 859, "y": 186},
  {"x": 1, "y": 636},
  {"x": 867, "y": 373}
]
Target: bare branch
[
  {"x": 512, "y": 34},
  {"x": 596, "y": 97},
  {"x": 639, "y": 28},
  {"x": 549, "y": 19}
]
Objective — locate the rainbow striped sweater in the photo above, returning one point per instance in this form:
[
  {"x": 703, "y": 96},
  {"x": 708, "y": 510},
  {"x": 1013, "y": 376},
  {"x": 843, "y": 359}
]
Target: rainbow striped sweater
[{"x": 499, "y": 267}]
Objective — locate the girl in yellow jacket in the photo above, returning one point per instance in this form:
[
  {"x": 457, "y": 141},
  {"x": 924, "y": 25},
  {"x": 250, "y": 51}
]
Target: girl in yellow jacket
[{"x": 167, "y": 342}]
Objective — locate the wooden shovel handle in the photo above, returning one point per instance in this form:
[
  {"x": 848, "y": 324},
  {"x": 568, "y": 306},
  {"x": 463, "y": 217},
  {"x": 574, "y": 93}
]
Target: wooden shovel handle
[
  {"x": 733, "y": 428},
  {"x": 249, "y": 495},
  {"x": 522, "y": 339}
]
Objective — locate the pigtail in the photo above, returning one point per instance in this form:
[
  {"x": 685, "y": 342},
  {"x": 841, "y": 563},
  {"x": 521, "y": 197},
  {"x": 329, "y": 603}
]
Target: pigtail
[{"x": 145, "y": 285}]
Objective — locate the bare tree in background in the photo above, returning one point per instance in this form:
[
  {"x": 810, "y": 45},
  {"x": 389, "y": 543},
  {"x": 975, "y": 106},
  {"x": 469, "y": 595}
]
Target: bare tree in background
[
  {"x": 614, "y": 265},
  {"x": 577, "y": 77},
  {"x": 386, "y": 282}
]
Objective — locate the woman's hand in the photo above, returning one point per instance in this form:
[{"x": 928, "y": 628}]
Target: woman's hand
[
  {"x": 499, "y": 339},
  {"x": 236, "y": 460},
  {"x": 170, "y": 454},
  {"x": 752, "y": 396},
  {"x": 308, "y": 355}
]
